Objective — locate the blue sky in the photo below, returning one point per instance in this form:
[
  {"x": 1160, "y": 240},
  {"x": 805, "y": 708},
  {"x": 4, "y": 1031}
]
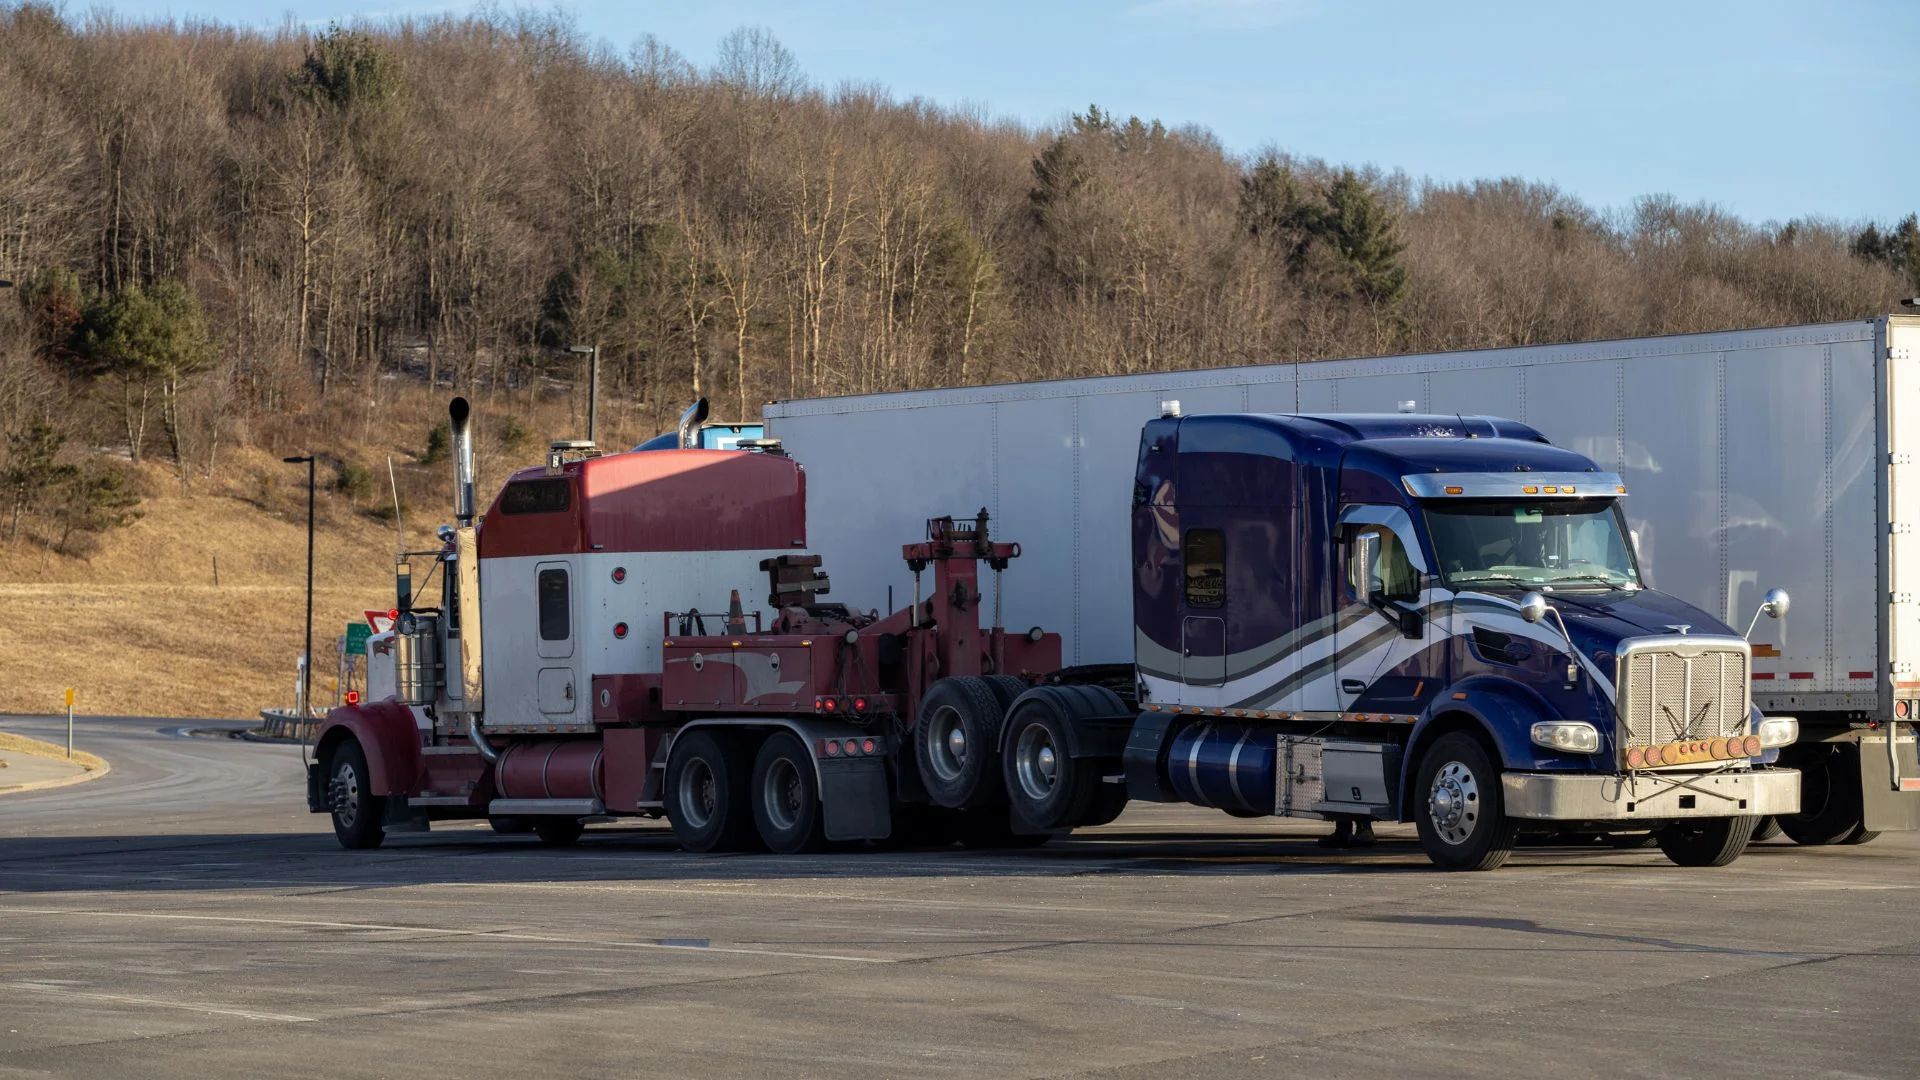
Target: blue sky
[{"x": 1772, "y": 109}]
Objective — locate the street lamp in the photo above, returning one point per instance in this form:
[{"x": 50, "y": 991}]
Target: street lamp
[
  {"x": 593, "y": 384},
  {"x": 306, "y": 658}
]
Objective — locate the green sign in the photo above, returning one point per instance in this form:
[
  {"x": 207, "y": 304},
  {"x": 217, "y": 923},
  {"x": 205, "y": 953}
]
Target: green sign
[{"x": 357, "y": 634}]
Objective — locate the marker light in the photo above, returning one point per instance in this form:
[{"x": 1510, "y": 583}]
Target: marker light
[
  {"x": 620, "y": 630},
  {"x": 833, "y": 748},
  {"x": 1574, "y": 736},
  {"x": 1902, "y": 708},
  {"x": 619, "y": 574},
  {"x": 353, "y": 697},
  {"x": 1455, "y": 490},
  {"x": 866, "y": 746},
  {"x": 1778, "y": 731}
]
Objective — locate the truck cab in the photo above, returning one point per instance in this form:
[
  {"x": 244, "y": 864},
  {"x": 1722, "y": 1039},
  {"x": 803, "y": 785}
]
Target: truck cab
[{"x": 1436, "y": 619}]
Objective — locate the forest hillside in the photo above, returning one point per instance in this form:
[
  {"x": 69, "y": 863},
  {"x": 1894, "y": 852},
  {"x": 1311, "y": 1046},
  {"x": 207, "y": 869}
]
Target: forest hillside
[{"x": 228, "y": 246}]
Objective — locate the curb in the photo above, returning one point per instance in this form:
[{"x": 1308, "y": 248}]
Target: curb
[
  {"x": 35, "y": 748},
  {"x": 65, "y": 781}
]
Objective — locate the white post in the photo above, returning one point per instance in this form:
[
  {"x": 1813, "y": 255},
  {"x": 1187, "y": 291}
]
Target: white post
[{"x": 69, "y": 723}]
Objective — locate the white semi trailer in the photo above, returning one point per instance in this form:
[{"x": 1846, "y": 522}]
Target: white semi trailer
[{"x": 1785, "y": 457}]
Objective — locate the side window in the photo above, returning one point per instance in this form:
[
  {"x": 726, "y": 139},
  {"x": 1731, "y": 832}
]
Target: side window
[
  {"x": 556, "y": 614},
  {"x": 1204, "y": 554},
  {"x": 1377, "y": 562}
]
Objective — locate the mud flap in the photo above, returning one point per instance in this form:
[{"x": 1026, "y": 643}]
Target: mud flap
[
  {"x": 316, "y": 790},
  {"x": 1887, "y": 807},
  {"x": 853, "y": 799}
]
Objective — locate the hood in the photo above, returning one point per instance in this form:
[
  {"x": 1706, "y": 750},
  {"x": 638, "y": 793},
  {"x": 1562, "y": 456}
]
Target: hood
[{"x": 1598, "y": 622}]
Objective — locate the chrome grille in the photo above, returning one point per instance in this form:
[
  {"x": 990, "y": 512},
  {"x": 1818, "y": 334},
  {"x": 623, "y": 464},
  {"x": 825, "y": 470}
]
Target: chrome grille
[{"x": 1675, "y": 689}]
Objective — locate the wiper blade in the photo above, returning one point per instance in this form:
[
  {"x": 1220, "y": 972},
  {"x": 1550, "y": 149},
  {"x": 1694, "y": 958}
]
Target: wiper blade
[
  {"x": 1603, "y": 579},
  {"x": 1487, "y": 575}
]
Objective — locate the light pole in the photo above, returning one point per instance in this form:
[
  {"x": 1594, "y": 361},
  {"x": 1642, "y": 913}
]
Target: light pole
[
  {"x": 593, "y": 384},
  {"x": 306, "y": 658}
]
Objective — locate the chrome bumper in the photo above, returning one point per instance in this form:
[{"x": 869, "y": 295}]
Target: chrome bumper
[{"x": 1650, "y": 796}]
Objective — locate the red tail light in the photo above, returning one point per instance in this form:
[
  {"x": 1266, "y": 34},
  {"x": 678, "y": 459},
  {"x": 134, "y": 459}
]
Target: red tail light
[
  {"x": 866, "y": 746},
  {"x": 353, "y": 697},
  {"x": 859, "y": 704}
]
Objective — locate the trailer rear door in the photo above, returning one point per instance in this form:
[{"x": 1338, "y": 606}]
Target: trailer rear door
[{"x": 1888, "y": 766}]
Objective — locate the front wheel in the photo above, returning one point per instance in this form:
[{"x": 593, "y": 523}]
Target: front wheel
[
  {"x": 1707, "y": 841},
  {"x": 786, "y": 797},
  {"x": 357, "y": 811},
  {"x": 1462, "y": 821}
]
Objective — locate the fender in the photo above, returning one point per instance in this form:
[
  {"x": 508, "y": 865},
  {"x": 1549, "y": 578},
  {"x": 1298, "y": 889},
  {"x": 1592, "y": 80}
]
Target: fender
[
  {"x": 1503, "y": 711},
  {"x": 1097, "y": 722},
  {"x": 387, "y": 734}
]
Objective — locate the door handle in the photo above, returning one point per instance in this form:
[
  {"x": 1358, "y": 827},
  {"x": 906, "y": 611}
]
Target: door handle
[{"x": 1352, "y": 686}]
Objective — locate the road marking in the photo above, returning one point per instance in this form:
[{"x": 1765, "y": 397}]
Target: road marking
[
  {"x": 191, "y": 1006},
  {"x": 670, "y": 944}
]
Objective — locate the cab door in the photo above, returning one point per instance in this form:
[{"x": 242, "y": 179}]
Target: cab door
[
  {"x": 1383, "y": 661},
  {"x": 555, "y": 618}
]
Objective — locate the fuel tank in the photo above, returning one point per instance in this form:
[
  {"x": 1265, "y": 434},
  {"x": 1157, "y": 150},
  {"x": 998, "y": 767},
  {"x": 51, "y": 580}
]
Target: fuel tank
[
  {"x": 1228, "y": 766},
  {"x": 552, "y": 769}
]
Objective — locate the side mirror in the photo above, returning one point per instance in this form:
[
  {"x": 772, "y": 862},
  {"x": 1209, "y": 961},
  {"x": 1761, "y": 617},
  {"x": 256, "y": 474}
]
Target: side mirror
[
  {"x": 1533, "y": 607},
  {"x": 1773, "y": 606}
]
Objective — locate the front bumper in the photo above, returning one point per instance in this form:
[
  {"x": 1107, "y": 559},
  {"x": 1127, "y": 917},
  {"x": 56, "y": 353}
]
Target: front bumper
[{"x": 1651, "y": 796}]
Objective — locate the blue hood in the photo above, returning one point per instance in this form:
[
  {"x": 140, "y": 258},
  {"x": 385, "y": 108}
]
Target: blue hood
[{"x": 1598, "y": 621}]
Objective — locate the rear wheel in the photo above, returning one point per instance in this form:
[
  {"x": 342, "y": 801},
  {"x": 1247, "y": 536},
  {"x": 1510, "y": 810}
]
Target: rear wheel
[
  {"x": 357, "y": 811},
  {"x": 1831, "y": 806},
  {"x": 1047, "y": 786},
  {"x": 956, "y": 742},
  {"x": 1861, "y": 835},
  {"x": 1463, "y": 824},
  {"x": 708, "y": 775},
  {"x": 1706, "y": 841},
  {"x": 558, "y": 831},
  {"x": 1108, "y": 802},
  {"x": 511, "y": 824},
  {"x": 1768, "y": 828},
  {"x": 786, "y": 797}
]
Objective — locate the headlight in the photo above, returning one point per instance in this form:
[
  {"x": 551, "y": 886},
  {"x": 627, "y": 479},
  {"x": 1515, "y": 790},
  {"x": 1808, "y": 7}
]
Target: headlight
[
  {"x": 1779, "y": 731},
  {"x": 1576, "y": 736}
]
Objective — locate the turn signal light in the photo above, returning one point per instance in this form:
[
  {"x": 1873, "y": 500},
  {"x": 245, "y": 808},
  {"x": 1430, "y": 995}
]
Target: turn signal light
[{"x": 1903, "y": 708}]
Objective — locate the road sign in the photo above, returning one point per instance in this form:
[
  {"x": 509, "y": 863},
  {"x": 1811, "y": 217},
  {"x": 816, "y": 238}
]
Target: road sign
[
  {"x": 69, "y": 697},
  {"x": 381, "y": 621},
  {"x": 357, "y": 635}
]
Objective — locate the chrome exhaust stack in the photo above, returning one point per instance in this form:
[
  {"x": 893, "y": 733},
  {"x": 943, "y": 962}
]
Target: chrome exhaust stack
[
  {"x": 690, "y": 422},
  {"x": 459, "y": 420}
]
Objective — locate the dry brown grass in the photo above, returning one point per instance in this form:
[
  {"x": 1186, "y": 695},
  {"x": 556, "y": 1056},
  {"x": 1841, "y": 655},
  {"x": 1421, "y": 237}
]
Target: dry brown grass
[
  {"x": 141, "y": 628},
  {"x": 20, "y": 744}
]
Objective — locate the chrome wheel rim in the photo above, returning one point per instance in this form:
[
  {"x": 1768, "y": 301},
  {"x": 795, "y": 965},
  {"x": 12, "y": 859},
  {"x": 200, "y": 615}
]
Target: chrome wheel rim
[
  {"x": 346, "y": 794},
  {"x": 947, "y": 739},
  {"x": 1453, "y": 803},
  {"x": 1036, "y": 763},
  {"x": 698, "y": 796},
  {"x": 780, "y": 795}
]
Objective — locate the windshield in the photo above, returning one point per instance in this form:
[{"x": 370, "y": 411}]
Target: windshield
[{"x": 1558, "y": 543}]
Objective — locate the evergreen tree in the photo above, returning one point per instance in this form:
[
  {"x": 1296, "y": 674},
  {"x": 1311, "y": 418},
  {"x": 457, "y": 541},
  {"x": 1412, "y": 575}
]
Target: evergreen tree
[{"x": 1361, "y": 233}]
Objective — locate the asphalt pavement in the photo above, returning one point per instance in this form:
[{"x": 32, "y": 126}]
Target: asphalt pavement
[{"x": 184, "y": 917}]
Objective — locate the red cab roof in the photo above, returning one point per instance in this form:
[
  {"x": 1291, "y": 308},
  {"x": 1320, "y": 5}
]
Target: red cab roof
[{"x": 657, "y": 500}]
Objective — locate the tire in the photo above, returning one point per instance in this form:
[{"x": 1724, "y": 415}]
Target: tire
[
  {"x": 708, "y": 775},
  {"x": 1458, "y": 806},
  {"x": 956, "y": 740},
  {"x": 511, "y": 824},
  {"x": 786, "y": 797},
  {"x": 1707, "y": 841},
  {"x": 1830, "y": 801},
  {"x": 1047, "y": 787},
  {"x": 559, "y": 831},
  {"x": 1861, "y": 835},
  {"x": 1768, "y": 828},
  {"x": 1006, "y": 689},
  {"x": 358, "y": 814}
]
